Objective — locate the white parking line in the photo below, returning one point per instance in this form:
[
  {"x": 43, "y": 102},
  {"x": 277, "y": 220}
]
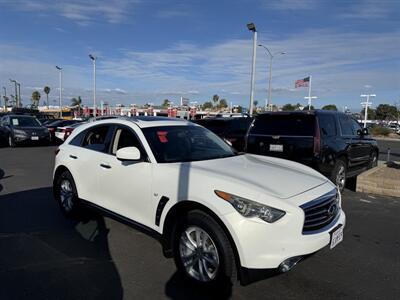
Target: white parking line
[{"x": 366, "y": 201}]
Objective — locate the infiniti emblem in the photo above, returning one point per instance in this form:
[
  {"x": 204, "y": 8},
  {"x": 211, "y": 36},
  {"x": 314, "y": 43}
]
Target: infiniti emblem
[{"x": 332, "y": 210}]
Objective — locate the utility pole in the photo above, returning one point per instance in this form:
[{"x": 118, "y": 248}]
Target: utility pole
[
  {"x": 252, "y": 28},
  {"x": 366, "y": 104}
]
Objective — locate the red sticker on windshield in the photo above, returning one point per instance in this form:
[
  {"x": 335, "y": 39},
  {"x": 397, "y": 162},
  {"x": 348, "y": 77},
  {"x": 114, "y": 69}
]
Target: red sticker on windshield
[{"x": 162, "y": 136}]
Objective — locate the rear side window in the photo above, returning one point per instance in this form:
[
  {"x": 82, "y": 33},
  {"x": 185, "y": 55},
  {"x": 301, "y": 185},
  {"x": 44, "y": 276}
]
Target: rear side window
[
  {"x": 327, "y": 125},
  {"x": 346, "y": 125},
  {"x": 96, "y": 138},
  {"x": 289, "y": 125}
]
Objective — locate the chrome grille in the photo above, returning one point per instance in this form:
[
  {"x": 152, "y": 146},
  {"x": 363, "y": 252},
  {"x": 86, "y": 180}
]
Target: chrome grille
[{"x": 321, "y": 213}]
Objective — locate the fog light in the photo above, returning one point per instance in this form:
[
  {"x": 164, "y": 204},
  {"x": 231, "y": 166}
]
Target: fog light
[{"x": 289, "y": 263}]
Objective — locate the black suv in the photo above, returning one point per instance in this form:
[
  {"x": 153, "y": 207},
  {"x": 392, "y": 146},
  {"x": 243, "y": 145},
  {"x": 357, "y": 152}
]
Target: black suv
[
  {"x": 331, "y": 142},
  {"x": 232, "y": 129}
]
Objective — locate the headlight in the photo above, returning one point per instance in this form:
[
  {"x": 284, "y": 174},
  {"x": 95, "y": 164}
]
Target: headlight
[
  {"x": 18, "y": 132},
  {"x": 249, "y": 208}
]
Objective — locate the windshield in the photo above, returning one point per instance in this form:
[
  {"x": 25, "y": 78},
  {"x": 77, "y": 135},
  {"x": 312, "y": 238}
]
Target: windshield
[
  {"x": 185, "y": 143},
  {"x": 25, "y": 122}
]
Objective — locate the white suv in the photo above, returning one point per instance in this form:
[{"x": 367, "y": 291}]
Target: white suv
[{"x": 217, "y": 212}]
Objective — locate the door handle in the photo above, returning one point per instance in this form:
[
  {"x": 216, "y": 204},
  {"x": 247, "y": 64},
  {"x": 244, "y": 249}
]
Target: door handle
[
  {"x": 73, "y": 156},
  {"x": 105, "y": 166}
]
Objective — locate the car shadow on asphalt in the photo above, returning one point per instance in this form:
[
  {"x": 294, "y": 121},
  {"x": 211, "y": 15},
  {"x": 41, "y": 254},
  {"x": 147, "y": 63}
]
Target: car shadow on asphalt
[
  {"x": 43, "y": 255},
  {"x": 178, "y": 288}
]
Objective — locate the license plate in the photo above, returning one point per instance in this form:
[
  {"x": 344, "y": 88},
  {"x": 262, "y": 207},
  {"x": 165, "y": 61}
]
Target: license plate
[
  {"x": 336, "y": 237},
  {"x": 276, "y": 148},
  {"x": 34, "y": 138}
]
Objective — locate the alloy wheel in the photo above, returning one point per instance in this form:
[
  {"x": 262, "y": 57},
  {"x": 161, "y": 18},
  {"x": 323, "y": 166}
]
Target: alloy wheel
[
  {"x": 341, "y": 177},
  {"x": 66, "y": 195},
  {"x": 199, "y": 254}
]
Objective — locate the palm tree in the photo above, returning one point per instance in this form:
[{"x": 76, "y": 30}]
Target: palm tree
[
  {"x": 46, "y": 90},
  {"x": 77, "y": 102},
  {"x": 215, "y": 99},
  {"x": 35, "y": 98}
]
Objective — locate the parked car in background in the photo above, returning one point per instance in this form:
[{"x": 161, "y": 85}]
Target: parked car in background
[
  {"x": 19, "y": 129},
  {"x": 62, "y": 133},
  {"x": 52, "y": 127},
  {"x": 46, "y": 122},
  {"x": 232, "y": 129},
  {"x": 331, "y": 142},
  {"x": 200, "y": 198}
]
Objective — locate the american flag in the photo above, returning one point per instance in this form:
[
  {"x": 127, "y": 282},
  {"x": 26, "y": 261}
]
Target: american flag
[{"x": 302, "y": 82}]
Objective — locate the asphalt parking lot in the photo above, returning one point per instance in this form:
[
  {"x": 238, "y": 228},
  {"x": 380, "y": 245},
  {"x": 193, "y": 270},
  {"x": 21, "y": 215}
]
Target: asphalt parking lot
[
  {"x": 45, "y": 256},
  {"x": 394, "y": 147}
]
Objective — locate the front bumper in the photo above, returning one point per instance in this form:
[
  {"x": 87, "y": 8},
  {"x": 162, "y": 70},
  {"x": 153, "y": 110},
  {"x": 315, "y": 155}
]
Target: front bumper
[
  {"x": 265, "y": 246},
  {"x": 28, "y": 139}
]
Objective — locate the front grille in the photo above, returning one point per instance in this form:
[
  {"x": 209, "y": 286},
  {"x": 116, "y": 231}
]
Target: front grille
[{"x": 321, "y": 212}]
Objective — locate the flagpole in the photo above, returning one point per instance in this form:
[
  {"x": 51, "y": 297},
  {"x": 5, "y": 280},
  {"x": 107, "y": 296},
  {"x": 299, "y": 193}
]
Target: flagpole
[{"x": 309, "y": 94}]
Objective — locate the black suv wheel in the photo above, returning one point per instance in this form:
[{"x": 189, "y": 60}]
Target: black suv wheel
[{"x": 339, "y": 174}]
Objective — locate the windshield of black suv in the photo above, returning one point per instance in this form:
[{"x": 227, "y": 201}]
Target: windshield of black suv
[
  {"x": 23, "y": 121},
  {"x": 185, "y": 143}
]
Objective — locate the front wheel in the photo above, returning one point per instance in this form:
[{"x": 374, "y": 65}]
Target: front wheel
[
  {"x": 66, "y": 194},
  {"x": 339, "y": 174},
  {"x": 373, "y": 160},
  {"x": 202, "y": 250}
]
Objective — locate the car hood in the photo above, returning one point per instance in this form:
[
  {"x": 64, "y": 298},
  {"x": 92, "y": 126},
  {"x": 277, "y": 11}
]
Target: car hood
[
  {"x": 29, "y": 130},
  {"x": 273, "y": 176}
]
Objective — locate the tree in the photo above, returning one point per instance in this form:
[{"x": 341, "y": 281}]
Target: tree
[
  {"x": 223, "y": 103},
  {"x": 35, "y": 99},
  {"x": 330, "y": 107},
  {"x": 207, "y": 105},
  {"x": 215, "y": 99},
  {"x": 371, "y": 114},
  {"x": 77, "y": 102},
  {"x": 311, "y": 107},
  {"x": 255, "y": 103},
  {"x": 46, "y": 90},
  {"x": 239, "y": 109},
  {"x": 288, "y": 107},
  {"x": 386, "y": 112},
  {"x": 166, "y": 103}
]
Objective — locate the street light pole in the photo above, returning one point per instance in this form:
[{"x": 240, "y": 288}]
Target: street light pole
[
  {"x": 93, "y": 58},
  {"x": 252, "y": 28},
  {"x": 5, "y": 98},
  {"x": 366, "y": 104},
  {"x": 60, "y": 77},
  {"x": 268, "y": 103},
  {"x": 19, "y": 95},
  {"x": 16, "y": 91}
]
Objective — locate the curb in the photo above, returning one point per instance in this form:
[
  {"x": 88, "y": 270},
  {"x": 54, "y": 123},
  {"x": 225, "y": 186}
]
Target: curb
[{"x": 367, "y": 182}]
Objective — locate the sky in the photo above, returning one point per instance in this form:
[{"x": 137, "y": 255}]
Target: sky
[{"x": 151, "y": 50}]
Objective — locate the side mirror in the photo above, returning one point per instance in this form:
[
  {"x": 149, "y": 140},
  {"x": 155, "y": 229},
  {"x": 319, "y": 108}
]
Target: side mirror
[{"x": 128, "y": 153}]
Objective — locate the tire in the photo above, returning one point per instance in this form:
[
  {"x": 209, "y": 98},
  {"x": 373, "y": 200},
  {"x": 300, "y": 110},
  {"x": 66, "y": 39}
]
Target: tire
[
  {"x": 209, "y": 268},
  {"x": 339, "y": 174},
  {"x": 374, "y": 160},
  {"x": 66, "y": 195},
  {"x": 11, "y": 141}
]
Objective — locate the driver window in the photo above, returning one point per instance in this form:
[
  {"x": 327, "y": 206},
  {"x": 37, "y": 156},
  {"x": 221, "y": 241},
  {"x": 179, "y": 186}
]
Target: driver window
[{"x": 125, "y": 138}]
